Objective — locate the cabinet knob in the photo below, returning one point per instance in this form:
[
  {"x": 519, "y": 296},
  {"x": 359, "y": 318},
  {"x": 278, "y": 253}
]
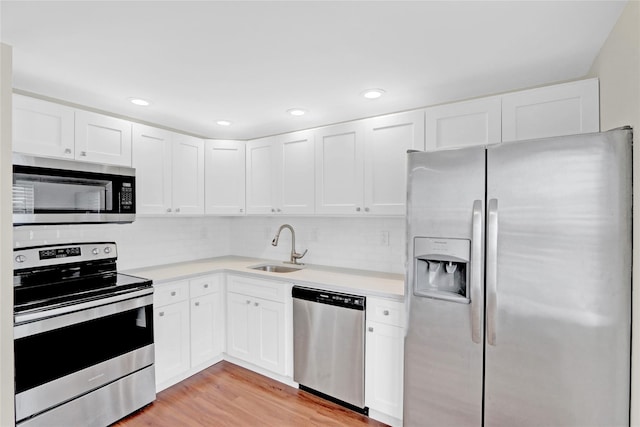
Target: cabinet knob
[
  {"x": 168, "y": 209},
  {"x": 197, "y": 304},
  {"x": 370, "y": 328},
  {"x": 67, "y": 151},
  {"x": 248, "y": 302},
  {"x": 386, "y": 312},
  {"x": 256, "y": 304},
  {"x": 173, "y": 293},
  {"x": 177, "y": 209},
  {"x": 161, "y": 314},
  {"x": 279, "y": 210},
  {"x": 241, "y": 210},
  {"x": 83, "y": 153},
  {"x": 273, "y": 210},
  {"x": 206, "y": 285},
  {"x": 358, "y": 209},
  {"x": 366, "y": 209}
]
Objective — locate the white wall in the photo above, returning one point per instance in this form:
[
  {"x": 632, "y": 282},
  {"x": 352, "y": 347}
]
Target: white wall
[
  {"x": 145, "y": 242},
  {"x": 363, "y": 243},
  {"x": 6, "y": 267},
  {"x": 618, "y": 68}
]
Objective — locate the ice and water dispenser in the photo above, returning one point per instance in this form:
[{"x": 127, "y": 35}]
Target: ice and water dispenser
[{"x": 442, "y": 268}]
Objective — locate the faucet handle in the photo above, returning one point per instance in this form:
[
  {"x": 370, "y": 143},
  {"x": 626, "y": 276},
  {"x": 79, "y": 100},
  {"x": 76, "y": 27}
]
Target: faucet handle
[{"x": 296, "y": 255}]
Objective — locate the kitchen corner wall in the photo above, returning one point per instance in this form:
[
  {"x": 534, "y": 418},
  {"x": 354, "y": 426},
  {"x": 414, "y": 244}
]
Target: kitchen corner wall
[{"x": 362, "y": 243}]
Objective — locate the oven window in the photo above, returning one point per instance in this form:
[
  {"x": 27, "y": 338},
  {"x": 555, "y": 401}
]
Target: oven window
[
  {"x": 50, "y": 355},
  {"x": 54, "y": 194}
]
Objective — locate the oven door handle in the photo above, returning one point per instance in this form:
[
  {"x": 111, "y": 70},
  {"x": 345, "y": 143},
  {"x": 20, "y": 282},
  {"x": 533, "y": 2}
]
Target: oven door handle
[{"x": 34, "y": 323}]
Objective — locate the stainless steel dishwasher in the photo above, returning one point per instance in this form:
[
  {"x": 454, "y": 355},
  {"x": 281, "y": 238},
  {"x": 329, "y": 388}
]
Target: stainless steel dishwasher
[{"x": 328, "y": 345}]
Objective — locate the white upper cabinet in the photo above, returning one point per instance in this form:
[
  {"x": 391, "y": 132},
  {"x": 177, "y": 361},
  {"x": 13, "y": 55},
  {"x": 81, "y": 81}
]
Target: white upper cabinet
[
  {"x": 339, "y": 169},
  {"x": 224, "y": 177},
  {"x": 260, "y": 176},
  {"x": 463, "y": 124},
  {"x": 563, "y": 109},
  {"x": 152, "y": 161},
  {"x": 102, "y": 139},
  {"x": 169, "y": 172},
  {"x": 279, "y": 172},
  {"x": 42, "y": 128},
  {"x": 188, "y": 174},
  {"x": 295, "y": 179},
  {"x": 387, "y": 140}
]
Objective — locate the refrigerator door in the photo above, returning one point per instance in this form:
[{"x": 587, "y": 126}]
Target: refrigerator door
[
  {"x": 559, "y": 281},
  {"x": 443, "y": 346}
]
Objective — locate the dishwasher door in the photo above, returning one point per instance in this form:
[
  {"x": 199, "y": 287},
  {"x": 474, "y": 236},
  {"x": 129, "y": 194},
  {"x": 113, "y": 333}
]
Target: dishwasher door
[{"x": 328, "y": 345}]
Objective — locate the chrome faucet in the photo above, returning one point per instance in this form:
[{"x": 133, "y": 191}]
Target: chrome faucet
[{"x": 294, "y": 255}]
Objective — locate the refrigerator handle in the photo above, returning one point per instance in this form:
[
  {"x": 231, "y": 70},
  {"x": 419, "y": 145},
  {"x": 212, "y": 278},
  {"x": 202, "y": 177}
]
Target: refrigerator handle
[
  {"x": 492, "y": 270},
  {"x": 476, "y": 272}
]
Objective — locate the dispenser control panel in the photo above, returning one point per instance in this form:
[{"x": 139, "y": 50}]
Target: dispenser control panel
[{"x": 442, "y": 268}]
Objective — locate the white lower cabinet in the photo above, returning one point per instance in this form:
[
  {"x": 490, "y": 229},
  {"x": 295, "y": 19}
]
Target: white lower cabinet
[
  {"x": 188, "y": 328},
  {"x": 256, "y": 322},
  {"x": 384, "y": 363}
]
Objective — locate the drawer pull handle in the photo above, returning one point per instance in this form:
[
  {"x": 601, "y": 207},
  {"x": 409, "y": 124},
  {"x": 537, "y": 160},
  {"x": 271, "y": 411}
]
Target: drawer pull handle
[
  {"x": 173, "y": 293},
  {"x": 386, "y": 312},
  {"x": 370, "y": 328},
  {"x": 161, "y": 314},
  {"x": 206, "y": 285},
  {"x": 197, "y": 304}
]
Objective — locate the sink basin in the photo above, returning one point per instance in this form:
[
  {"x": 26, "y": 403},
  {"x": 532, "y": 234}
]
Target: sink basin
[{"x": 273, "y": 268}]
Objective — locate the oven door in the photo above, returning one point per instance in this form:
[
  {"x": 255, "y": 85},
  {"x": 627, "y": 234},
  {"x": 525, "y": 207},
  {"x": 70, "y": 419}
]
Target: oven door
[{"x": 61, "y": 357}]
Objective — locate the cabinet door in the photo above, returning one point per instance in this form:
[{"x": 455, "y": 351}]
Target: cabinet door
[
  {"x": 171, "y": 335},
  {"x": 295, "y": 192},
  {"x": 260, "y": 176},
  {"x": 188, "y": 174},
  {"x": 339, "y": 169},
  {"x": 151, "y": 158},
  {"x": 42, "y": 128},
  {"x": 206, "y": 328},
  {"x": 102, "y": 139},
  {"x": 385, "y": 164},
  {"x": 463, "y": 124},
  {"x": 224, "y": 177},
  {"x": 557, "y": 110},
  {"x": 239, "y": 326},
  {"x": 269, "y": 341},
  {"x": 384, "y": 368}
]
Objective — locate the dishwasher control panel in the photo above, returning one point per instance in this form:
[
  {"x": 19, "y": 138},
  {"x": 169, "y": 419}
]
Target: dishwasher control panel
[{"x": 355, "y": 302}]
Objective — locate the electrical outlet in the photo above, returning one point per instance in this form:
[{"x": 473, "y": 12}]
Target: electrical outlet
[{"x": 384, "y": 238}]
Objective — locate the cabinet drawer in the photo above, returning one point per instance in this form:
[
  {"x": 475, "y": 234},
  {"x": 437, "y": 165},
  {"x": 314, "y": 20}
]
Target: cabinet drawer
[
  {"x": 204, "y": 285},
  {"x": 385, "y": 311},
  {"x": 170, "y": 293},
  {"x": 266, "y": 289}
]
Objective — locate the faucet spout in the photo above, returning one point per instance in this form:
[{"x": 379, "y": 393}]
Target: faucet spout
[{"x": 294, "y": 255}]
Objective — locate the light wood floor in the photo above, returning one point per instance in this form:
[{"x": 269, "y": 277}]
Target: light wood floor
[{"x": 228, "y": 395}]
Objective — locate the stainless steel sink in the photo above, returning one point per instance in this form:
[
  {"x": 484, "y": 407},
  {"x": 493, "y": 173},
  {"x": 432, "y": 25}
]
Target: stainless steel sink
[{"x": 274, "y": 268}]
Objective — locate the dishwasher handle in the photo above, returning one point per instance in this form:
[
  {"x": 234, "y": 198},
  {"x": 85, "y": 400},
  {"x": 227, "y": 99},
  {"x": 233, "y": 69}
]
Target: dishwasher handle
[{"x": 349, "y": 301}]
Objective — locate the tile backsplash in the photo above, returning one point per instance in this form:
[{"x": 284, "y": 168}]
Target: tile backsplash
[{"x": 363, "y": 243}]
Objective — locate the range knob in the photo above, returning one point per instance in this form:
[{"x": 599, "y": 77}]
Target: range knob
[
  {"x": 95, "y": 251},
  {"x": 107, "y": 250},
  {"x": 21, "y": 258}
]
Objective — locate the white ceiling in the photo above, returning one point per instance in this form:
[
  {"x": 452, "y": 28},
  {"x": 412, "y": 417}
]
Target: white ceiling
[{"x": 248, "y": 62}]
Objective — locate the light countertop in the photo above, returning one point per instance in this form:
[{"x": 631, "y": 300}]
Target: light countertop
[{"x": 331, "y": 278}]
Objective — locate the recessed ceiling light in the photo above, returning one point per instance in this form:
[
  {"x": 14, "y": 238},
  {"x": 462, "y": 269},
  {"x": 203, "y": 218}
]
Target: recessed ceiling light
[
  {"x": 139, "y": 101},
  {"x": 297, "y": 112},
  {"x": 224, "y": 122},
  {"x": 373, "y": 93}
]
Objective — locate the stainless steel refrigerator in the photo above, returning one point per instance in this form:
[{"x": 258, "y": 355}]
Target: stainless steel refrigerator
[{"x": 519, "y": 284}]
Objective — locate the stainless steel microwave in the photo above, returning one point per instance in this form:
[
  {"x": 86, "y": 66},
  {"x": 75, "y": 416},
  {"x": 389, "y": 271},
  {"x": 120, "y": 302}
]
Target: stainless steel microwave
[{"x": 52, "y": 191}]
